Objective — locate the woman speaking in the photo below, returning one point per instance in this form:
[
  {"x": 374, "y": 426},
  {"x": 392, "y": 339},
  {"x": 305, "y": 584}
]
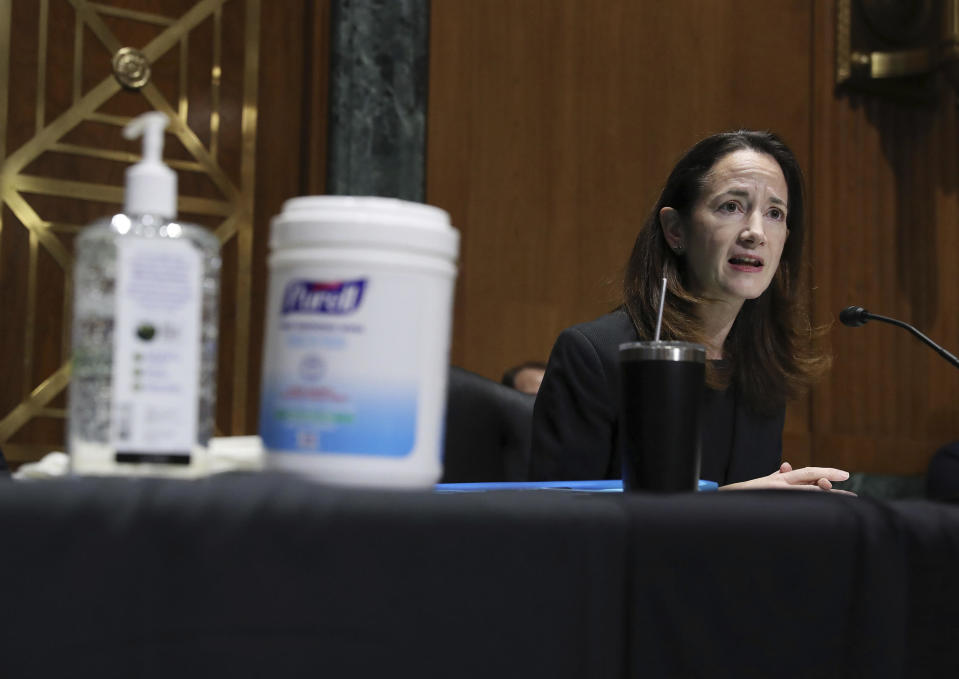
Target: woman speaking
[{"x": 728, "y": 230}]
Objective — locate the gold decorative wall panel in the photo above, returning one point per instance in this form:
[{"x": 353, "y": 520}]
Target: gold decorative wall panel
[{"x": 70, "y": 78}]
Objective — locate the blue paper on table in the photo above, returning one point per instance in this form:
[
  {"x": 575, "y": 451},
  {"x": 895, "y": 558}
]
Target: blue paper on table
[{"x": 609, "y": 486}]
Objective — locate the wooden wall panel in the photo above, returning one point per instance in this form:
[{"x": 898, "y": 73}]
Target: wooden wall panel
[
  {"x": 887, "y": 238},
  {"x": 552, "y": 126}
]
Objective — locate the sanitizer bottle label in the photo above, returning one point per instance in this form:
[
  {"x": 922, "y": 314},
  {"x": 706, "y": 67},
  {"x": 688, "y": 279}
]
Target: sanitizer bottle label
[
  {"x": 341, "y": 373},
  {"x": 156, "y": 350}
]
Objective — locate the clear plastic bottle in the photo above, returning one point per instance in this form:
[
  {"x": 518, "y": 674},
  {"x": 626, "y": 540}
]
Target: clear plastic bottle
[{"x": 146, "y": 293}]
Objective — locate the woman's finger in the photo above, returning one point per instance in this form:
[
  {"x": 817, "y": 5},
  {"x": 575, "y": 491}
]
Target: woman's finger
[{"x": 813, "y": 474}]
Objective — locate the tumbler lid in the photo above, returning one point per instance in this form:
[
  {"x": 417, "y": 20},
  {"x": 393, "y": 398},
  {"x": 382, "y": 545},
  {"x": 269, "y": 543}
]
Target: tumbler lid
[{"x": 662, "y": 351}]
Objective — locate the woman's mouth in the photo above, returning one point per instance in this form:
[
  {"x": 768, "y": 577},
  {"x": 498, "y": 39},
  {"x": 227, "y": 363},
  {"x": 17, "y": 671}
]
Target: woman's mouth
[{"x": 746, "y": 263}]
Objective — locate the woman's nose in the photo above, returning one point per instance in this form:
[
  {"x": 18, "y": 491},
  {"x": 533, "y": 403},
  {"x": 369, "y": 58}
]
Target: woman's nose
[{"x": 753, "y": 235}]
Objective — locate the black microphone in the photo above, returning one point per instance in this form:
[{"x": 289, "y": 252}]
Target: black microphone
[{"x": 854, "y": 316}]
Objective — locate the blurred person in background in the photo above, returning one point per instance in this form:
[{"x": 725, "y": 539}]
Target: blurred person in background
[{"x": 525, "y": 377}]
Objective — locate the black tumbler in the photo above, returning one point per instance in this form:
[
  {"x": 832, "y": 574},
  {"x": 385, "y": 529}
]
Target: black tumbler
[{"x": 662, "y": 412}]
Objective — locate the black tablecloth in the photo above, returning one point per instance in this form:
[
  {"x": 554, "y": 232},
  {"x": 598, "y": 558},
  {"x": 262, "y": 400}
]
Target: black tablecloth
[{"x": 268, "y": 575}]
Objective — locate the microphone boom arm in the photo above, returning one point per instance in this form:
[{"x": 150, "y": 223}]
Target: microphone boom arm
[{"x": 864, "y": 315}]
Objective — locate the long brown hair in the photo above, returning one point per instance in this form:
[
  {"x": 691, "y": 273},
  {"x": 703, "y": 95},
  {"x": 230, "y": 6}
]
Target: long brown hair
[{"x": 771, "y": 353}]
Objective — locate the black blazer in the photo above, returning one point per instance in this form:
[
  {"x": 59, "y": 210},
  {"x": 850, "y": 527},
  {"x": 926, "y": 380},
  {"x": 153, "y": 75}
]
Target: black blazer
[{"x": 576, "y": 428}]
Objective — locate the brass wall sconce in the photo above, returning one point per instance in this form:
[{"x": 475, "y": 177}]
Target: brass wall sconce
[{"x": 896, "y": 47}]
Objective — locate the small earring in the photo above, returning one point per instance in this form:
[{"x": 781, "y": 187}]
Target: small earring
[{"x": 679, "y": 248}]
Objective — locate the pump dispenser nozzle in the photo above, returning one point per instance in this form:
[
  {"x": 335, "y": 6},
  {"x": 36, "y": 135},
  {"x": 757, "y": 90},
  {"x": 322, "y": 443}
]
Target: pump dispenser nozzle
[{"x": 150, "y": 185}]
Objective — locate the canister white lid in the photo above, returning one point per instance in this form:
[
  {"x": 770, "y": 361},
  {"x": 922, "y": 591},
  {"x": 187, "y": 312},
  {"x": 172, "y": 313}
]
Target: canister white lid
[{"x": 368, "y": 221}]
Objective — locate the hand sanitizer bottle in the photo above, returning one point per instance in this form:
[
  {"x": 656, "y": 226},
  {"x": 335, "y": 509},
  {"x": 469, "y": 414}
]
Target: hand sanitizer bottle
[{"x": 146, "y": 290}]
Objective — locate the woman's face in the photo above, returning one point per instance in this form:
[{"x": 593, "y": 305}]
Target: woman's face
[{"x": 736, "y": 231}]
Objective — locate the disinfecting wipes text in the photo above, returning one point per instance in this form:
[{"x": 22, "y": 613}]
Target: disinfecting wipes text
[{"x": 342, "y": 369}]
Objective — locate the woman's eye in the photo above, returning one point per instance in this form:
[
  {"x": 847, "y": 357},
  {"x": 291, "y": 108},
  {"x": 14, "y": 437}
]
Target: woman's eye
[
  {"x": 729, "y": 206},
  {"x": 777, "y": 214}
]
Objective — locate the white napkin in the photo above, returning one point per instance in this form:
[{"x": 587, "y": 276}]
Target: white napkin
[
  {"x": 235, "y": 453},
  {"x": 50, "y": 466},
  {"x": 224, "y": 454}
]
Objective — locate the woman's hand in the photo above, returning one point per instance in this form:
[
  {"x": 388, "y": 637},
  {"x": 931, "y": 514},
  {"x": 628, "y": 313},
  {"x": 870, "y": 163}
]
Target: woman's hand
[{"x": 787, "y": 478}]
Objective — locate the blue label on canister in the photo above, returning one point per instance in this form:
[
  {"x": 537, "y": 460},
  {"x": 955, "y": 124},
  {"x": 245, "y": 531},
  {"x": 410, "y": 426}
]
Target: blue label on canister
[{"x": 368, "y": 420}]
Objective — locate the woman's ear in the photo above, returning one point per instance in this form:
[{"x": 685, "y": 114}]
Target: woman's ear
[{"x": 672, "y": 225}]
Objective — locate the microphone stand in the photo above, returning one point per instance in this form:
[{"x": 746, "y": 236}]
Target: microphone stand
[{"x": 855, "y": 316}]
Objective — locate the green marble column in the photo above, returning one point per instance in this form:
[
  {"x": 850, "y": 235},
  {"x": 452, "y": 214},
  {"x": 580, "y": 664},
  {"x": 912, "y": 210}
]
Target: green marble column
[{"x": 379, "y": 66}]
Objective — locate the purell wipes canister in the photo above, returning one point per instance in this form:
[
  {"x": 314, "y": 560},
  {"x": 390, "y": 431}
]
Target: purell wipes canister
[{"x": 356, "y": 353}]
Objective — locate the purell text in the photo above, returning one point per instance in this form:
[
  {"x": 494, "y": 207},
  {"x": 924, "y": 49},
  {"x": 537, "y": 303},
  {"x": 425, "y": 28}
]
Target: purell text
[{"x": 322, "y": 297}]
